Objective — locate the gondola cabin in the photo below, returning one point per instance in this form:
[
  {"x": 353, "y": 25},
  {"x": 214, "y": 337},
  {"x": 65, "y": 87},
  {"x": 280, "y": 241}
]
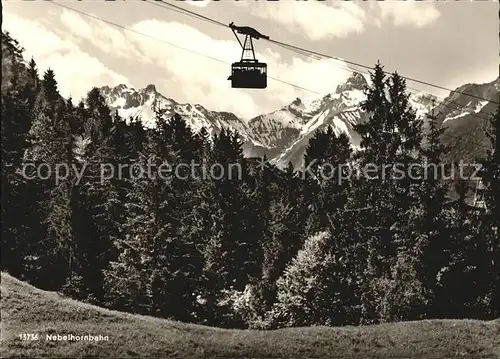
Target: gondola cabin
[{"x": 248, "y": 75}]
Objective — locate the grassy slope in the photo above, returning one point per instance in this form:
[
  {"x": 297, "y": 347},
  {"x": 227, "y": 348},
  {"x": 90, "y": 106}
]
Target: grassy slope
[{"x": 26, "y": 309}]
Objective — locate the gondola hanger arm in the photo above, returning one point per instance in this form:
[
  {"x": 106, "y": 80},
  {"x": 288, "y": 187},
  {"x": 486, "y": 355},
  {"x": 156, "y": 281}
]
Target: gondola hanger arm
[{"x": 235, "y": 35}]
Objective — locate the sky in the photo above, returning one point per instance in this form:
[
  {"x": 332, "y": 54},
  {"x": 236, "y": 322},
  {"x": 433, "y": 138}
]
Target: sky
[{"x": 447, "y": 43}]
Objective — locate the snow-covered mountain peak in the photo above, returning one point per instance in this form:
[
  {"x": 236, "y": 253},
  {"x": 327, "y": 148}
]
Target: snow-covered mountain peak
[
  {"x": 425, "y": 97},
  {"x": 355, "y": 82},
  {"x": 150, "y": 89},
  {"x": 297, "y": 105},
  {"x": 283, "y": 134},
  {"x": 113, "y": 91},
  {"x": 142, "y": 103},
  {"x": 297, "y": 102}
]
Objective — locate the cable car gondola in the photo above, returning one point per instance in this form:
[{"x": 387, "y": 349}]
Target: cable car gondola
[{"x": 248, "y": 73}]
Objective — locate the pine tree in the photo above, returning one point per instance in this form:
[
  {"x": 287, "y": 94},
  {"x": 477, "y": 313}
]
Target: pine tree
[
  {"x": 49, "y": 86},
  {"x": 33, "y": 83},
  {"x": 33, "y": 72},
  {"x": 322, "y": 162},
  {"x": 292, "y": 183},
  {"x": 203, "y": 144},
  {"x": 335, "y": 186},
  {"x": 189, "y": 233},
  {"x": 22, "y": 229},
  {"x": 227, "y": 254},
  {"x": 15, "y": 119},
  {"x": 108, "y": 159},
  {"x": 47, "y": 114},
  {"x": 456, "y": 288},
  {"x": 389, "y": 141},
  {"x": 12, "y": 62},
  {"x": 491, "y": 179},
  {"x": 157, "y": 268},
  {"x": 137, "y": 136},
  {"x": 433, "y": 243},
  {"x": 260, "y": 200},
  {"x": 50, "y": 138}
]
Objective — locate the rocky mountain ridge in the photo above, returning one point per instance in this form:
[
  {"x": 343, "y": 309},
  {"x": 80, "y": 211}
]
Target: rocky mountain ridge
[{"x": 283, "y": 135}]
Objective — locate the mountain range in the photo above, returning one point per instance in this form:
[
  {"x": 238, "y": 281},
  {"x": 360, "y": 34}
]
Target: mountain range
[{"x": 283, "y": 135}]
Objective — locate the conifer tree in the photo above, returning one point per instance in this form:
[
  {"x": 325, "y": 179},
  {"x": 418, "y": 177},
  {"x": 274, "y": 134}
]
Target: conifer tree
[
  {"x": 335, "y": 186},
  {"x": 33, "y": 72},
  {"x": 227, "y": 254},
  {"x": 316, "y": 160},
  {"x": 22, "y": 229},
  {"x": 433, "y": 243},
  {"x": 33, "y": 83},
  {"x": 390, "y": 138},
  {"x": 97, "y": 193},
  {"x": 491, "y": 179},
  {"x": 15, "y": 121},
  {"x": 50, "y": 144},
  {"x": 455, "y": 282},
  {"x": 156, "y": 269}
]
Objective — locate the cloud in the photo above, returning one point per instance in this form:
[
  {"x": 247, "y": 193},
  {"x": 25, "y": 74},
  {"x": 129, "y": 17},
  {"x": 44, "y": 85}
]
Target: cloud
[
  {"x": 101, "y": 35},
  {"x": 204, "y": 80},
  {"x": 183, "y": 75},
  {"x": 198, "y": 3},
  {"x": 316, "y": 19},
  {"x": 76, "y": 71},
  {"x": 408, "y": 13},
  {"x": 323, "y": 20}
]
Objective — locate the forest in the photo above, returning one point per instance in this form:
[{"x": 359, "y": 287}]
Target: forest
[{"x": 267, "y": 248}]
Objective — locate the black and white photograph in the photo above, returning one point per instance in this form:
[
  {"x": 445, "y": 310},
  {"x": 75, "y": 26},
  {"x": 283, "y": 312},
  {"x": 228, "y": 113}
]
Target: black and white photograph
[{"x": 250, "y": 179}]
